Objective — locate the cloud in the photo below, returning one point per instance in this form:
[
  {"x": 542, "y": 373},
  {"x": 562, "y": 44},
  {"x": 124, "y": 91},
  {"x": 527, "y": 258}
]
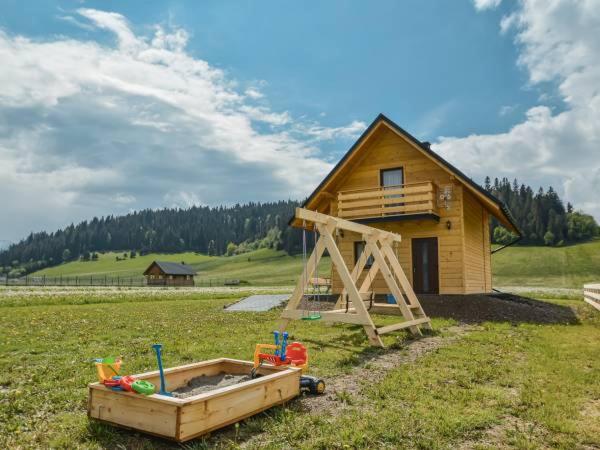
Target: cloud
[
  {"x": 506, "y": 110},
  {"x": 486, "y": 4},
  {"x": 558, "y": 45},
  {"x": 89, "y": 129}
]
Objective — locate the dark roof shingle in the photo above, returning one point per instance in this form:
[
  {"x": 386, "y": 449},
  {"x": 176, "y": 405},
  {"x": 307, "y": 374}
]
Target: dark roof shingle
[{"x": 172, "y": 268}]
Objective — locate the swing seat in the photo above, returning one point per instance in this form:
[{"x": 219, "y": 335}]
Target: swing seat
[{"x": 312, "y": 317}]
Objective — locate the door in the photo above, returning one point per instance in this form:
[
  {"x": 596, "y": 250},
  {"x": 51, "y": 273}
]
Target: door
[{"x": 425, "y": 266}]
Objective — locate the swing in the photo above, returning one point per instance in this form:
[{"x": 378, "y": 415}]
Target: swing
[
  {"x": 312, "y": 314},
  {"x": 379, "y": 245}
]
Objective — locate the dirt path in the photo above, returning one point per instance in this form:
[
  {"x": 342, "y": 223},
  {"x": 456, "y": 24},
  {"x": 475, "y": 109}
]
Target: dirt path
[{"x": 375, "y": 369}]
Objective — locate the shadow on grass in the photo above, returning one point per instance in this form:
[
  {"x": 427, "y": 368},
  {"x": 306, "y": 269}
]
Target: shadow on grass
[{"x": 478, "y": 308}]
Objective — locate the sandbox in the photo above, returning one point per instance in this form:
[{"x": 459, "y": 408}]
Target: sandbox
[{"x": 182, "y": 419}]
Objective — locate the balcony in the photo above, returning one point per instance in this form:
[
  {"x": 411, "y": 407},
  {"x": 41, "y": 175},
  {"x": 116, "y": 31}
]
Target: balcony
[{"x": 401, "y": 202}]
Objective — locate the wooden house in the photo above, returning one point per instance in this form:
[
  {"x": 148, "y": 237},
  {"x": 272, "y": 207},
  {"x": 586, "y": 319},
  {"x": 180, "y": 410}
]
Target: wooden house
[
  {"x": 391, "y": 180},
  {"x": 164, "y": 273}
]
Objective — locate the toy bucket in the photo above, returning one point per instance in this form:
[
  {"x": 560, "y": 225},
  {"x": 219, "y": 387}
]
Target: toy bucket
[{"x": 108, "y": 368}]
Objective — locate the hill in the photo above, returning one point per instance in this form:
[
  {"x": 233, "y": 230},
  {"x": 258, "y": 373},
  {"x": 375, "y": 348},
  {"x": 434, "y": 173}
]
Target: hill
[
  {"x": 570, "y": 266},
  {"x": 260, "y": 267},
  {"x": 567, "y": 267}
]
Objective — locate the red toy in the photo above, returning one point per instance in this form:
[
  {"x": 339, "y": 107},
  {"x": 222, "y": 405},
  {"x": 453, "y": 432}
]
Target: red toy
[{"x": 126, "y": 382}]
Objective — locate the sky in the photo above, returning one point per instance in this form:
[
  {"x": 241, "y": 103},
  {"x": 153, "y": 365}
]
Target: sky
[{"x": 108, "y": 107}]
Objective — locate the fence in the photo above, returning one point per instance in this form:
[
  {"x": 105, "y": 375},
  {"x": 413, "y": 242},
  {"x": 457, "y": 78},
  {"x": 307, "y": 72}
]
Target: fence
[
  {"x": 591, "y": 294},
  {"x": 111, "y": 281}
]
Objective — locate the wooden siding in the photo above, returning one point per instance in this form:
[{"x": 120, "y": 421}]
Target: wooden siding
[
  {"x": 388, "y": 151},
  {"x": 477, "y": 258},
  {"x": 176, "y": 280}
]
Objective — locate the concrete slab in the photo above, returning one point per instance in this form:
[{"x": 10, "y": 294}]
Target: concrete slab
[{"x": 259, "y": 302}]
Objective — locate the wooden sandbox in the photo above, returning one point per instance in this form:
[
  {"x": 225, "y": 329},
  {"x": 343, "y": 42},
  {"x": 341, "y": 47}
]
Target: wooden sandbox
[{"x": 182, "y": 419}]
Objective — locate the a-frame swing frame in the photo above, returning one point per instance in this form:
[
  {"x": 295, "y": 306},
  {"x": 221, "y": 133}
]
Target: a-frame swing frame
[{"x": 378, "y": 244}]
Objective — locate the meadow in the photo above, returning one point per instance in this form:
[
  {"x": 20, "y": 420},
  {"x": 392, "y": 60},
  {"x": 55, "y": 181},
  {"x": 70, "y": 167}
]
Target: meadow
[
  {"x": 549, "y": 267},
  {"x": 488, "y": 384}
]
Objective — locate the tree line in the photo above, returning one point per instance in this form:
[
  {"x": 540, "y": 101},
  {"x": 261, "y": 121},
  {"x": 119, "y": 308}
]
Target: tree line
[
  {"x": 209, "y": 230},
  {"x": 228, "y": 230},
  {"x": 541, "y": 216}
]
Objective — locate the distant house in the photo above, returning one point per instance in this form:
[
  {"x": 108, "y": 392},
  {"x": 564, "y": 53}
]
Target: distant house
[{"x": 164, "y": 273}]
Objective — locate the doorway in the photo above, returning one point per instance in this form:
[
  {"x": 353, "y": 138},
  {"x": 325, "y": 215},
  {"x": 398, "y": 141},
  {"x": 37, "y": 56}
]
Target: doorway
[{"x": 425, "y": 266}]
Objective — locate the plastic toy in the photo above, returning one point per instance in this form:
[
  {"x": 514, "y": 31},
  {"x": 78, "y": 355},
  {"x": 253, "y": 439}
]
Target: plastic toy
[
  {"x": 143, "y": 387},
  {"x": 113, "y": 382},
  {"x": 126, "y": 382},
  {"x": 163, "y": 390},
  {"x": 107, "y": 367},
  {"x": 294, "y": 355}
]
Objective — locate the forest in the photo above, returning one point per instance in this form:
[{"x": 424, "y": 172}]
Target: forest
[
  {"x": 541, "y": 216},
  {"x": 225, "y": 230}
]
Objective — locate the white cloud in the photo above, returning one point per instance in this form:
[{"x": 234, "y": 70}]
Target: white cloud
[
  {"x": 558, "y": 43},
  {"x": 88, "y": 129},
  {"x": 486, "y": 4},
  {"x": 506, "y": 110}
]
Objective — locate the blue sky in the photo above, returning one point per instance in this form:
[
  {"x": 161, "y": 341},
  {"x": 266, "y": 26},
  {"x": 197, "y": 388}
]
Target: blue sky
[{"x": 98, "y": 94}]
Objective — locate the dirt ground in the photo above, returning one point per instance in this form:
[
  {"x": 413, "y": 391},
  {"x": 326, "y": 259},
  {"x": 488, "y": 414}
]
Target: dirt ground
[{"x": 478, "y": 308}]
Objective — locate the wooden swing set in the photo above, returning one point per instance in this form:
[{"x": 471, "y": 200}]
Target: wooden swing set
[{"x": 358, "y": 300}]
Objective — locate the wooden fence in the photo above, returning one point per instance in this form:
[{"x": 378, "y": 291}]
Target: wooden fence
[
  {"x": 591, "y": 294},
  {"x": 112, "y": 281}
]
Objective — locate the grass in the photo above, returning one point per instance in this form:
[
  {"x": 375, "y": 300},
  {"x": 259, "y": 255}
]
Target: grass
[
  {"x": 261, "y": 267},
  {"x": 555, "y": 267},
  {"x": 520, "y": 385},
  {"x": 564, "y": 267}
]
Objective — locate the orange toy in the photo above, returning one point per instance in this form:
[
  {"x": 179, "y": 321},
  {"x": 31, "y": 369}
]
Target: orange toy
[{"x": 296, "y": 355}]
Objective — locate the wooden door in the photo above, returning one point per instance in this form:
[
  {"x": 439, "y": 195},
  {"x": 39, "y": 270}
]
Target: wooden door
[{"x": 425, "y": 266}]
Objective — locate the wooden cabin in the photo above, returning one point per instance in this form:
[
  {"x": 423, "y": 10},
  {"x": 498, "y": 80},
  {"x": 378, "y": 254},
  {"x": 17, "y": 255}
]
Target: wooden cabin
[
  {"x": 391, "y": 180},
  {"x": 164, "y": 273}
]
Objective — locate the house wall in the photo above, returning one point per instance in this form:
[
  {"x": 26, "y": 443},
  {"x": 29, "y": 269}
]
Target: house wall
[
  {"x": 156, "y": 277},
  {"x": 477, "y": 257},
  {"x": 389, "y": 151}
]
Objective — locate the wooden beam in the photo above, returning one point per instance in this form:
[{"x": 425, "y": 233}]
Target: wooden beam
[
  {"x": 327, "y": 316},
  {"x": 391, "y": 282},
  {"x": 401, "y": 325},
  {"x": 413, "y": 301},
  {"x": 323, "y": 219},
  {"x": 338, "y": 260}
]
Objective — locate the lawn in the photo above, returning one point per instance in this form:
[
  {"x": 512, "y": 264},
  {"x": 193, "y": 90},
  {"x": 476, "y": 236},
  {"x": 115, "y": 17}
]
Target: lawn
[
  {"x": 263, "y": 267},
  {"x": 548, "y": 267},
  {"x": 564, "y": 267},
  {"x": 514, "y": 384}
]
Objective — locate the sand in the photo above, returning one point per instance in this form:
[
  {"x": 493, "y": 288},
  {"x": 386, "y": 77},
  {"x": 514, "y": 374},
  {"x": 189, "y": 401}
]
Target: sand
[{"x": 203, "y": 383}]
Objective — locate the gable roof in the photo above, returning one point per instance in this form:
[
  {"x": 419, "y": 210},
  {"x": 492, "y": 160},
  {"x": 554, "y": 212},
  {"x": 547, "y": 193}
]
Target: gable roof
[
  {"x": 492, "y": 204},
  {"x": 171, "y": 268}
]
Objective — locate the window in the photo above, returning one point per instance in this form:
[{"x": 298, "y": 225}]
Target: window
[
  {"x": 359, "y": 247},
  {"x": 392, "y": 179}
]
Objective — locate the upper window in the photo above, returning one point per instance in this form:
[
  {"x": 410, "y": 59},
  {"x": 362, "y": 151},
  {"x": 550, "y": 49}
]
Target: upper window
[
  {"x": 392, "y": 177},
  {"x": 359, "y": 247}
]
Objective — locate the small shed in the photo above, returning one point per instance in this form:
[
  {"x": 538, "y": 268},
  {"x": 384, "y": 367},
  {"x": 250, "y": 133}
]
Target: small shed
[{"x": 165, "y": 273}]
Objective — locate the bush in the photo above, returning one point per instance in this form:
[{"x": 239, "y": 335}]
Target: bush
[
  {"x": 503, "y": 236},
  {"x": 549, "y": 238},
  {"x": 231, "y": 249}
]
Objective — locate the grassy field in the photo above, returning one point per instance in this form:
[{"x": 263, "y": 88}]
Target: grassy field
[
  {"x": 562, "y": 267},
  {"x": 567, "y": 267},
  {"x": 262, "y": 267},
  {"x": 520, "y": 385}
]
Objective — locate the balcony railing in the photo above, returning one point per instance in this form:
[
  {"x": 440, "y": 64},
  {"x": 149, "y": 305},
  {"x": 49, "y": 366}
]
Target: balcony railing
[{"x": 405, "y": 199}]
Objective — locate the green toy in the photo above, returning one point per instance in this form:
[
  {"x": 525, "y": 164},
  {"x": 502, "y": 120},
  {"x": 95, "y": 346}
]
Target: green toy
[{"x": 143, "y": 387}]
